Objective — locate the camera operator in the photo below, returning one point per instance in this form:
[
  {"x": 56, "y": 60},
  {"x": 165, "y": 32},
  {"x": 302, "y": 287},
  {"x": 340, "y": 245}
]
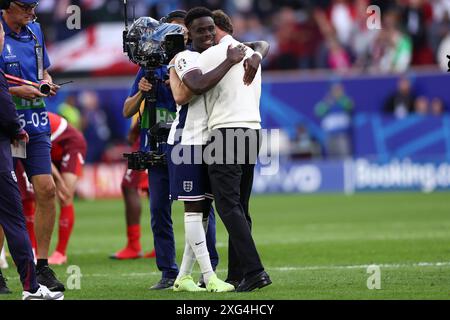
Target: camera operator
[
  {"x": 26, "y": 58},
  {"x": 160, "y": 204}
]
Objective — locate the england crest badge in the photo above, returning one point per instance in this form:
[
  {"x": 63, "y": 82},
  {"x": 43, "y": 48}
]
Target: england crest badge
[{"x": 188, "y": 185}]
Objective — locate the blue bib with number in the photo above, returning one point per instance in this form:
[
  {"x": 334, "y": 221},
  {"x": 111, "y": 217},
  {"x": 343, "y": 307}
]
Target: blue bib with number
[{"x": 33, "y": 116}]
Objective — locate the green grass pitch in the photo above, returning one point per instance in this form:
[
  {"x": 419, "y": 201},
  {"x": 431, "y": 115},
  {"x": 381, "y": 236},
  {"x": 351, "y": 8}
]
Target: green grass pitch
[{"x": 313, "y": 246}]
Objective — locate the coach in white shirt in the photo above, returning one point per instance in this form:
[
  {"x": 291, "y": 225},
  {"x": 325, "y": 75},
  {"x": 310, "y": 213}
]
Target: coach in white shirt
[{"x": 234, "y": 119}]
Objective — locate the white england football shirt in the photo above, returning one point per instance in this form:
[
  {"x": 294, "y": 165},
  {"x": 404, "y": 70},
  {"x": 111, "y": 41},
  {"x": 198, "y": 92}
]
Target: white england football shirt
[
  {"x": 191, "y": 122},
  {"x": 231, "y": 104}
]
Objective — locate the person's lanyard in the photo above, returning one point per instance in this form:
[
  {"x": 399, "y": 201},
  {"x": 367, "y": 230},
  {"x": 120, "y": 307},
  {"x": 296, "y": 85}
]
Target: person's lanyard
[{"x": 39, "y": 53}]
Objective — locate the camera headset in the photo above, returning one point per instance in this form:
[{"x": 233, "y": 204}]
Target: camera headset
[{"x": 180, "y": 14}]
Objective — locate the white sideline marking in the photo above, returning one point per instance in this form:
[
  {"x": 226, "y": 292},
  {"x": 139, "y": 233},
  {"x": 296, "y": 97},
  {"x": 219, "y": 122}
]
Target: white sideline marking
[
  {"x": 364, "y": 266},
  {"x": 284, "y": 269},
  {"x": 305, "y": 268}
]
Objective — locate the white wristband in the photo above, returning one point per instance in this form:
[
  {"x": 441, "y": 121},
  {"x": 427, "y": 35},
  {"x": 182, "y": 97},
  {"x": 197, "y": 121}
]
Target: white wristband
[{"x": 259, "y": 54}]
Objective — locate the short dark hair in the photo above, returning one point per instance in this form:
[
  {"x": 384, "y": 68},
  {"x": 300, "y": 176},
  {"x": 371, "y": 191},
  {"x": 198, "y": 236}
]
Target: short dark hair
[
  {"x": 195, "y": 13},
  {"x": 177, "y": 14},
  {"x": 223, "y": 21}
]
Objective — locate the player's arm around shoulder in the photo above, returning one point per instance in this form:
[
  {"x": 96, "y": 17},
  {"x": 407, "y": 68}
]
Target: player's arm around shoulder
[
  {"x": 199, "y": 83},
  {"x": 180, "y": 92},
  {"x": 262, "y": 47},
  {"x": 252, "y": 64}
]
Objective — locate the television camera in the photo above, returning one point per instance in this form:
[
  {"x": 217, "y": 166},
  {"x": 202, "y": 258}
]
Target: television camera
[
  {"x": 143, "y": 160},
  {"x": 151, "y": 44}
]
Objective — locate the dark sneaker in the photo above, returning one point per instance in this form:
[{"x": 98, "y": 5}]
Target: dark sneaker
[
  {"x": 3, "y": 287},
  {"x": 164, "y": 283},
  {"x": 46, "y": 277}
]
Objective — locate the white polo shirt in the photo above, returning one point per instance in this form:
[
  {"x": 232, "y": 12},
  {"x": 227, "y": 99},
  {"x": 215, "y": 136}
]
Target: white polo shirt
[
  {"x": 191, "y": 121},
  {"x": 231, "y": 103}
]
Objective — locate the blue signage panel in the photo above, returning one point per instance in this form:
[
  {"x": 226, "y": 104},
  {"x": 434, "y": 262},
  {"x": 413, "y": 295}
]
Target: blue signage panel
[
  {"x": 357, "y": 175},
  {"x": 302, "y": 177}
]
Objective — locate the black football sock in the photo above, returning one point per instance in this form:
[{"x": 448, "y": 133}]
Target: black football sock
[{"x": 41, "y": 263}]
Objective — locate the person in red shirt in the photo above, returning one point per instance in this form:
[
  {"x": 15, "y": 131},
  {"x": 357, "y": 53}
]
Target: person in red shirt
[{"x": 68, "y": 153}]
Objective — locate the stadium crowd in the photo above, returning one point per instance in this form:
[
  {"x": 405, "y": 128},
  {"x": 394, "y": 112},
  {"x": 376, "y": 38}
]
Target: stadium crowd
[{"x": 303, "y": 34}]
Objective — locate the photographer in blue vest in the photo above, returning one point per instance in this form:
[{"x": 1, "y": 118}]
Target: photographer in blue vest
[
  {"x": 25, "y": 56},
  {"x": 12, "y": 220}
]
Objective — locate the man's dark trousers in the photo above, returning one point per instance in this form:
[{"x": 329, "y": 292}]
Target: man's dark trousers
[
  {"x": 13, "y": 222},
  {"x": 231, "y": 183}
]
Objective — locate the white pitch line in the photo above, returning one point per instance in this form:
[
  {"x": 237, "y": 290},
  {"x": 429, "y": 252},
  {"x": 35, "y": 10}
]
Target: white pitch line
[
  {"x": 306, "y": 268},
  {"x": 283, "y": 269},
  {"x": 364, "y": 266}
]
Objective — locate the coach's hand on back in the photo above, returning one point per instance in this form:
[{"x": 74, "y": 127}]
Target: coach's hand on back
[
  {"x": 251, "y": 66},
  {"x": 236, "y": 54}
]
